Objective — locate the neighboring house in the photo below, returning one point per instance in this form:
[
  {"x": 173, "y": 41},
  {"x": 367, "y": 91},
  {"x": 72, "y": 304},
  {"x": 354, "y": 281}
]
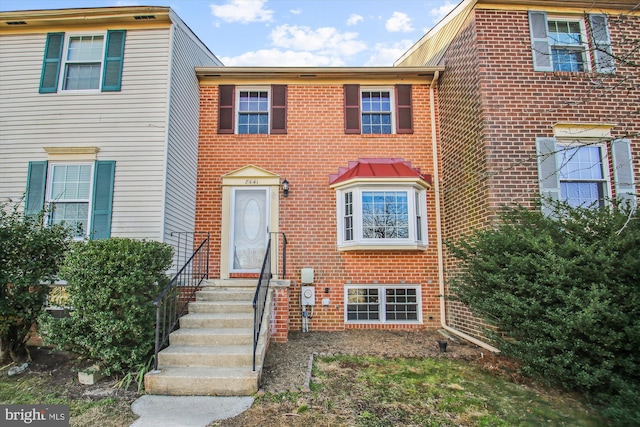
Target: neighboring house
[
  {"x": 355, "y": 147},
  {"x": 99, "y": 111},
  {"x": 537, "y": 97}
]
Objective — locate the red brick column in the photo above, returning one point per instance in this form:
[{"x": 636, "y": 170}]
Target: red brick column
[{"x": 279, "y": 323}]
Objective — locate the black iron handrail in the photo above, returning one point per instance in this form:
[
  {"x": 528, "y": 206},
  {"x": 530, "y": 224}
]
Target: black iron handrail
[
  {"x": 262, "y": 290},
  {"x": 174, "y": 298},
  {"x": 284, "y": 252},
  {"x": 260, "y": 299}
]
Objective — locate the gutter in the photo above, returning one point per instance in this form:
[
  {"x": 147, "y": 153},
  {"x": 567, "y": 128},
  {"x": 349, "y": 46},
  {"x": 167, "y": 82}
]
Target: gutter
[{"x": 436, "y": 186}]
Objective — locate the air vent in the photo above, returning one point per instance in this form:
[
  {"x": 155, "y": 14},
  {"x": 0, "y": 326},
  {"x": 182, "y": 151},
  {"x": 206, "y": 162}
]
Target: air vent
[
  {"x": 16, "y": 23},
  {"x": 144, "y": 17}
]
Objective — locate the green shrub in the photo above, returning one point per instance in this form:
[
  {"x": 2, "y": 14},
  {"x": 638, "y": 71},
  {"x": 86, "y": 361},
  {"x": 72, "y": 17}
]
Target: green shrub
[
  {"x": 111, "y": 284},
  {"x": 29, "y": 254},
  {"x": 563, "y": 295}
]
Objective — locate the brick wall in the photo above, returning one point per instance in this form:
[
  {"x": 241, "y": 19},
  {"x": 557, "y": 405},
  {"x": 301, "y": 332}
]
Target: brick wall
[
  {"x": 314, "y": 147},
  {"x": 494, "y": 105},
  {"x": 464, "y": 168}
]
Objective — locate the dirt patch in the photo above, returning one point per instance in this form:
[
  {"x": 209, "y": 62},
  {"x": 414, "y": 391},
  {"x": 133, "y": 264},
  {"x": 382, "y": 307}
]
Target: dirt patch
[
  {"x": 61, "y": 370},
  {"x": 286, "y": 364}
]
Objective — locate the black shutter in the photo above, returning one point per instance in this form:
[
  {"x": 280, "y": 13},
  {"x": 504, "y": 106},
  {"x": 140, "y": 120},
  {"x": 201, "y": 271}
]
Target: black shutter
[
  {"x": 225, "y": 108},
  {"x": 278, "y": 109},
  {"x": 351, "y": 108},
  {"x": 404, "y": 109}
]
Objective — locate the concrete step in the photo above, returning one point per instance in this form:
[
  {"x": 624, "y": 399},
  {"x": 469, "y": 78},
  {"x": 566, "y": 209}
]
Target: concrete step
[
  {"x": 226, "y": 294},
  {"x": 202, "y": 381},
  {"x": 231, "y": 283},
  {"x": 216, "y": 320},
  {"x": 218, "y": 356},
  {"x": 212, "y": 336},
  {"x": 212, "y": 352},
  {"x": 220, "y": 307}
]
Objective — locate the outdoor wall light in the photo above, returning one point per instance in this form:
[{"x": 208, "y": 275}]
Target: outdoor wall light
[{"x": 285, "y": 188}]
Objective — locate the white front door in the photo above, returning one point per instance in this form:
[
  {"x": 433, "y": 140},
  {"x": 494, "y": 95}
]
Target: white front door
[{"x": 249, "y": 229}]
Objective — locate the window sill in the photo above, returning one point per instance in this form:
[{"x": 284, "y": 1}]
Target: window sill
[
  {"x": 378, "y": 322},
  {"x": 382, "y": 247}
]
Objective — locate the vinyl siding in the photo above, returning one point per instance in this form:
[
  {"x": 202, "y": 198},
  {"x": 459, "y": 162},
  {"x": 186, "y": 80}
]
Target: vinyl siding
[
  {"x": 182, "y": 148},
  {"x": 128, "y": 126}
]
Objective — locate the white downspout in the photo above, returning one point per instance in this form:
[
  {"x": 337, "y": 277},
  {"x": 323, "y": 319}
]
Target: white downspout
[{"x": 436, "y": 186}]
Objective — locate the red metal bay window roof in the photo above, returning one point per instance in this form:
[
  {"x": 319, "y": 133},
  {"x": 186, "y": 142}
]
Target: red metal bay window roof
[{"x": 385, "y": 168}]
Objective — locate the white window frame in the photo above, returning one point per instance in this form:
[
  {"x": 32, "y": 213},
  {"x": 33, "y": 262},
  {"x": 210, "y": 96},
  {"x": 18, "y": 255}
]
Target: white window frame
[
  {"x": 237, "y": 111},
  {"x": 604, "y": 162},
  {"x": 359, "y": 242},
  {"x": 64, "y": 61},
  {"x": 392, "y": 106},
  {"x": 49, "y": 198},
  {"x": 382, "y": 303},
  {"x": 584, "y": 45}
]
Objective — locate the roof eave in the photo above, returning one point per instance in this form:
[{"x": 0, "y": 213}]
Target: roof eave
[{"x": 316, "y": 73}]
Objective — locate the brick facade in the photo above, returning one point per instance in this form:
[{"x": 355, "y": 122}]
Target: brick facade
[
  {"x": 315, "y": 146},
  {"x": 493, "y": 105}
]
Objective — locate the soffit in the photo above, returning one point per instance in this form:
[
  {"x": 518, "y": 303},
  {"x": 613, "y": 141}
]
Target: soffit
[
  {"x": 24, "y": 21},
  {"x": 314, "y": 75}
]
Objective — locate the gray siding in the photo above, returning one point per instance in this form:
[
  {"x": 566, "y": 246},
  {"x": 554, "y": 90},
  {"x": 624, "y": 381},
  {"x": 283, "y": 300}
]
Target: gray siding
[{"x": 182, "y": 147}]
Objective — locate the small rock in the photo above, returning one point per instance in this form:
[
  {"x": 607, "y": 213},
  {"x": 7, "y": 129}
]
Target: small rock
[{"x": 17, "y": 369}]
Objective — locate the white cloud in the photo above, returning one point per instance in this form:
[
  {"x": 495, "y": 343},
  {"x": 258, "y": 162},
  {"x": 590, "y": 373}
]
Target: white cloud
[
  {"x": 354, "y": 19},
  {"x": 386, "y": 54},
  {"x": 277, "y": 57},
  {"x": 399, "y": 22},
  {"x": 243, "y": 11},
  {"x": 326, "y": 40},
  {"x": 442, "y": 11},
  {"x": 296, "y": 11}
]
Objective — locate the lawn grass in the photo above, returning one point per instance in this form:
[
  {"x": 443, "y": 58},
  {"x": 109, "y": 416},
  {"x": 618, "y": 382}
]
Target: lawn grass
[
  {"x": 357, "y": 391},
  {"x": 433, "y": 392}
]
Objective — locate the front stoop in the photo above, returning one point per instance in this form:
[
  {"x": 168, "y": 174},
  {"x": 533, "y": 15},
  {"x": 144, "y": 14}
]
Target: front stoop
[{"x": 212, "y": 352}]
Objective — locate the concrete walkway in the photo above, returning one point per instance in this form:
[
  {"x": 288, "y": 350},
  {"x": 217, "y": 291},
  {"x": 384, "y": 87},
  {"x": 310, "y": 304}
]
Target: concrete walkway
[{"x": 186, "y": 411}]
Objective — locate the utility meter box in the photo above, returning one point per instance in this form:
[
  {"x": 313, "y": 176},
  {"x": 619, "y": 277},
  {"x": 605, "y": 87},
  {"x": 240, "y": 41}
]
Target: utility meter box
[
  {"x": 306, "y": 276},
  {"x": 308, "y": 296}
]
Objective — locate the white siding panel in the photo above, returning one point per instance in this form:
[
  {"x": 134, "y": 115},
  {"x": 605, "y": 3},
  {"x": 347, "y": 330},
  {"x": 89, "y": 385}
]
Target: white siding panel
[
  {"x": 182, "y": 150},
  {"x": 128, "y": 126}
]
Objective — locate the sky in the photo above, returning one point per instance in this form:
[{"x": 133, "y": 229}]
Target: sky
[{"x": 315, "y": 33}]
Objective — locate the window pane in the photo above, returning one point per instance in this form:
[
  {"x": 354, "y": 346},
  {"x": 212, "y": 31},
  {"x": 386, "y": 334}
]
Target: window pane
[
  {"x": 567, "y": 60},
  {"x": 585, "y": 194},
  {"x": 73, "y": 215},
  {"x": 567, "y": 45},
  {"x": 363, "y": 304},
  {"x": 254, "y": 101},
  {"x": 253, "y": 112},
  {"x": 376, "y": 112},
  {"x": 253, "y": 123},
  {"x": 85, "y": 48},
  {"x": 584, "y": 162},
  {"x": 385, "y": 215},
  {"x": 565, "y": 33},
  {"x": 401, "y": 304},
  {"x": 70, "y": 182},
  {"x": 82, "y": 76},
  {"x": 348, "y": 216}
]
